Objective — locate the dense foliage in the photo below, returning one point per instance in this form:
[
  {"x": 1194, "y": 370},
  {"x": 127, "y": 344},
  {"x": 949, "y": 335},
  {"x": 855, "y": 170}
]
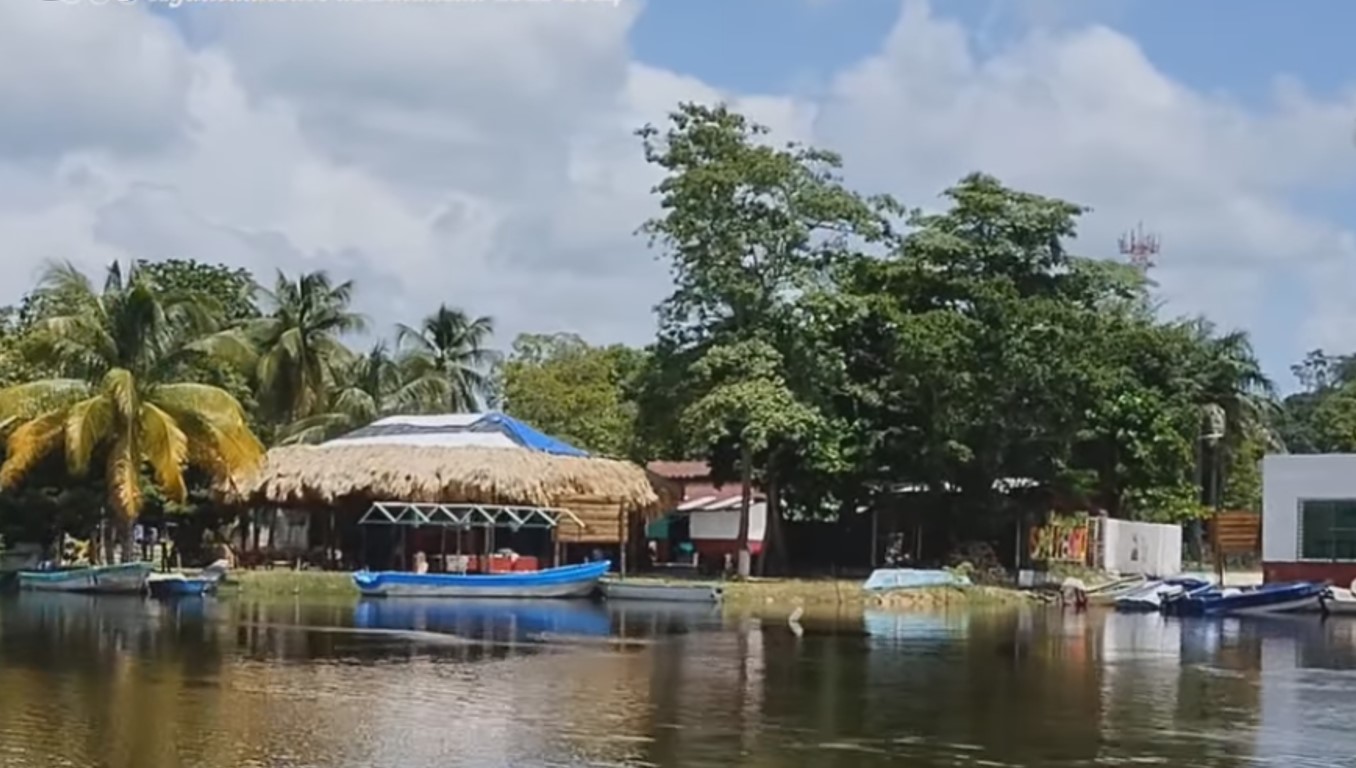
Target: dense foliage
[{"x": 820, "y": 345}]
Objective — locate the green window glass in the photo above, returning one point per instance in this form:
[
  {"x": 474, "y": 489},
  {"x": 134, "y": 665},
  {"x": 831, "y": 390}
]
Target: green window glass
[{"x": 1328, "y": 529}]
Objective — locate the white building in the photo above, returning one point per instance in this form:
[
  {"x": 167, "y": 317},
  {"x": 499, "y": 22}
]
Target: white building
[{"x": 1309, "y": 517}]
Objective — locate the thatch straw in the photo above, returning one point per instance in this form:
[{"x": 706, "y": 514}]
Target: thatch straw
[{"x": 334, "y": 475}]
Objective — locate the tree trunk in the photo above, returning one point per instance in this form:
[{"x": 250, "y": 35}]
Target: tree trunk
[
  {"x": 774, "y": 542},
  {"x": 126, "y": 547},
  {"x": 743, "y": 558}
]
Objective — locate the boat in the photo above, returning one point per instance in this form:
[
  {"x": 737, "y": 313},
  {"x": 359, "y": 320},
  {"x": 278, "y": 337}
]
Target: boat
[
  {"x": 170, "y": 585},
  {"x": 662, "y": 592},
  {"x": 125, "y": 578},
  {"x": 1263, "y": 599},
  {"x": 1155, "y": 594},
  {"x": 1340, "y": 602},
  {"x": 566, "y": 581},
  {"x": 1108, "y": 593}
]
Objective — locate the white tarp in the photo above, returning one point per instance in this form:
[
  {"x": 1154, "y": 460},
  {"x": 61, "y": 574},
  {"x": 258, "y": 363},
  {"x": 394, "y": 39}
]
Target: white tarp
[
  {"x": 723, "y": 524},
  {"x": 1148, "y": 549}
]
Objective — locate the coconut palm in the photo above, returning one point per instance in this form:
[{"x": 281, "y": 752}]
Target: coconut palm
[
  {"x": 365, "y": 389},
  {"x": 119, "y": 349},
  {"x": 444, "y": 362},
  {"x": 1231, "y": 378},
  {"x": 298, "y": 343}
]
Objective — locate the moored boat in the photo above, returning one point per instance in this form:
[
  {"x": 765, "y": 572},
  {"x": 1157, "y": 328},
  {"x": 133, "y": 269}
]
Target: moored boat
[
  {"x": 1263, "y": 599},
  {"x": 1155, "y": 594},
  {"x": 662, "y": 592},
  {"x": 125, "y": 578},
  {"x": 1340, "y": 602},
  {"x": 169, "y": 585},
  {"x": 565, "y": 581}
]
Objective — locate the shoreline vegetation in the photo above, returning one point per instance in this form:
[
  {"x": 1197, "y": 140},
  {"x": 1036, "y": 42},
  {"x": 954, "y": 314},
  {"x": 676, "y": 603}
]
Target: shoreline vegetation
[
  {"x": 751, "y": 595},
  {"x": 823, "y": 348}
]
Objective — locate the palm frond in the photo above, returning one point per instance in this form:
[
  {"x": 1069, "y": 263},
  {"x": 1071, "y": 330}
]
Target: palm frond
[
  {"x": 124, "y": 476},
  {"x": 89, "y": 423},
  {"x": 165, "y": 447},
  {"x": 29, "y": 400},
  {"x": 29, "y": 444}
]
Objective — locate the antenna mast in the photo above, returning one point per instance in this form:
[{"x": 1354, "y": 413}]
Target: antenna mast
[{"x": 1140, "y": 248}]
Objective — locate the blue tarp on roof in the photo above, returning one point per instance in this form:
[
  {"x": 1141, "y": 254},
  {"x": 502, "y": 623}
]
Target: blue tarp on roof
[{"x": 527, "y": 436}]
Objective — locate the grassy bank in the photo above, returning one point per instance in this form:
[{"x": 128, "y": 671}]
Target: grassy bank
[
  {"x": 756, "y": 594},
  {"x": 278, "y": 583}
]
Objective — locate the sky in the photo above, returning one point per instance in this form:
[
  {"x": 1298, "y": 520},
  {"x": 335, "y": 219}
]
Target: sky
[{"x": 480, "y": 152}]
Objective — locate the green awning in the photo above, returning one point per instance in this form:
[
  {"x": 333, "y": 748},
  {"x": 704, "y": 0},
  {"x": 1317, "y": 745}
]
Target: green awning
[{"x": 659, "y": 529}]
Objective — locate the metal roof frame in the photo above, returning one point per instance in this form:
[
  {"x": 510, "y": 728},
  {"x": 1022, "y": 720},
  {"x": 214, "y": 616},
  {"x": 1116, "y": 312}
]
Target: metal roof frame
[{"x": 465, "y": 516}]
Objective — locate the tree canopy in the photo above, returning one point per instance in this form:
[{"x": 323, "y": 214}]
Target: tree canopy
[{"x": 820, "y": 344}]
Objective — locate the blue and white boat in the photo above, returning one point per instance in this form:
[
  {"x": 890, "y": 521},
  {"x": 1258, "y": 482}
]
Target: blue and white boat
[
  {"x": 171, "y": 585},
  {"x": 126, "y": 578},
  {"x": 566, "y": 581},
  {"x": 1262, "y": 599},
  {"x": 1154, "y": 595}
]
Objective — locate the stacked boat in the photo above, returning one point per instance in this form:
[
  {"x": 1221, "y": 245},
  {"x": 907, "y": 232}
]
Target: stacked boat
[{"x": 1191, "y": 596}]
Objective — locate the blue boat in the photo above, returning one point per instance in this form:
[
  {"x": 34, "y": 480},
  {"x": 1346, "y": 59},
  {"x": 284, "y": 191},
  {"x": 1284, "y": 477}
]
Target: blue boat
[
  {"x": 1263, "y": 599},
  {"x": 126, "y": 578},
  {"x": 172, "y": 585},
  {"x": 566, "y": 581}
]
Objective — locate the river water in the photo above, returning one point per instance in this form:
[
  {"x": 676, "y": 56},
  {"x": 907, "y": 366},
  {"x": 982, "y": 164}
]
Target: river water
[{"x": 407, "y": 684}]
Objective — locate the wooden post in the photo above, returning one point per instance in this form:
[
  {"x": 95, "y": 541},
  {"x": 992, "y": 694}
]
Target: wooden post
[
  {"x": 623, "y": 534},
  {"x": 875, "y": 535}
]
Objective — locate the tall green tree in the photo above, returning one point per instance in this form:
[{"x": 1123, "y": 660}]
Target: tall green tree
[
  {"x": 299, "y": 343},
  {"x": 574, "y": 391},
  {"x": 117, "y": 348},
  {"x": 744, "y": 401},
  {"x": 445, "y": 361},
  {"x": 748, "y": 228}
]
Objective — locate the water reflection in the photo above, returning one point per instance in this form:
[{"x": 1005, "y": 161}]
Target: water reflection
[{"x": 87, "y": 681}]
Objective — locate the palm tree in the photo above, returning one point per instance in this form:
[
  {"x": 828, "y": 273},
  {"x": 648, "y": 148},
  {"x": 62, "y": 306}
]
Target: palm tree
[
  {"x": 298, "y": 343},
  {"x": 118, "y": 349},
  {"x": 364, "y": 391},
  {"x": 444, "y": 362},
  {"x": 1231, "y": 378}
]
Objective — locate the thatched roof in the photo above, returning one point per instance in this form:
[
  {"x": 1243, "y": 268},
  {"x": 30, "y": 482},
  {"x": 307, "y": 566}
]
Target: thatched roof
[{"x": 337, "y": 473}]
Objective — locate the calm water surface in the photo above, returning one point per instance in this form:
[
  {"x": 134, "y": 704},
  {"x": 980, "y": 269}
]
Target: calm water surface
[{"x": 121, "y": 682}]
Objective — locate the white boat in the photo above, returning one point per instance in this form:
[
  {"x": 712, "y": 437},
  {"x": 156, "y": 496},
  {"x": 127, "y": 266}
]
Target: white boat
[
  {"x": 1154, "y": 594},
  {"x": 126, "y": 578},
  {"x": 567, "y": 581},
  {"x": 662, "y": 592},
  {"x": 1340, "y": 602}
]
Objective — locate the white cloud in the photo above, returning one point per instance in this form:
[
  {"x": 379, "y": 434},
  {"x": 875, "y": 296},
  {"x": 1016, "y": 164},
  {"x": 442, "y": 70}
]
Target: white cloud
[{"x": 482, "y": 154}]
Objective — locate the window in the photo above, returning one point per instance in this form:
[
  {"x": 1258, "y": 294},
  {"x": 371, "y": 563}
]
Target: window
[{"x": 1328, "y": 529}]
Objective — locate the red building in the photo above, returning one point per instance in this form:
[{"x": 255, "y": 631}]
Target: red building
[{"x": 707, "y": 516}]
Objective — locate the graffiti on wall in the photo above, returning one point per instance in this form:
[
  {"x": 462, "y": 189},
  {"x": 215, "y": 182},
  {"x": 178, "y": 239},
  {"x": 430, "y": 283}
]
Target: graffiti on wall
[{"x": 1063, "y": 539}]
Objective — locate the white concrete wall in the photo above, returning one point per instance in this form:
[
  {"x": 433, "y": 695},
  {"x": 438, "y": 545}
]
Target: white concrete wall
[
  {"x": 1148, "y": 549},
  {"x": 723, "y": 525},
  {"x": 1286, "y": 479}
]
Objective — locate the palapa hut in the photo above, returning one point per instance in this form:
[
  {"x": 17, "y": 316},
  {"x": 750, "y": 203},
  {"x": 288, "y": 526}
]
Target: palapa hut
[{"x": 487, "y": 463}]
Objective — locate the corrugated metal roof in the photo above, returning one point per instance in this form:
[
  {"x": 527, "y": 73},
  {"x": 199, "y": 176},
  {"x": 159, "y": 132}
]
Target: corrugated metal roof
[{"x": 456, "y": 430}]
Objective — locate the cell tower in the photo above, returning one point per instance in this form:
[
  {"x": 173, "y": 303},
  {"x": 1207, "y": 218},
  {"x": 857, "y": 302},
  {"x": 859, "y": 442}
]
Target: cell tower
[{"x": 1140, "y": 248}]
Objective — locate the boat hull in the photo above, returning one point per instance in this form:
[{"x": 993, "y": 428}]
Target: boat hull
[
  {"x": 181, "y": 587},
  {"x": 574, "y": 581},
  {"x": 662, "y": 593},
  {"x": 128, "y": 578},
  {"x": 1257, "y": 601},
  {"x": 1155, "y": 595}
]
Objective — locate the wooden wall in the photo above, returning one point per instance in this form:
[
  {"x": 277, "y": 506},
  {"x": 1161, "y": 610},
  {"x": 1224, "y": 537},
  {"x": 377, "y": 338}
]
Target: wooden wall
[{"x": 602, "y": 523}]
